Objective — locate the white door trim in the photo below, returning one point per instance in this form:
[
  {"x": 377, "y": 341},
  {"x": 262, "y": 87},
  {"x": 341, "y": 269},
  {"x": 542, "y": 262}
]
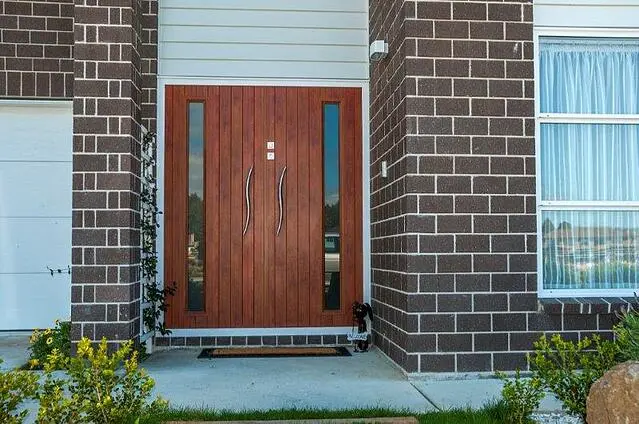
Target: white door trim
[{"x": 366, "y": 221}]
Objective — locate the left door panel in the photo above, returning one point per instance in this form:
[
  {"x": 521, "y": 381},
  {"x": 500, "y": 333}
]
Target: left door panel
[{"x": 211, "y": 205}]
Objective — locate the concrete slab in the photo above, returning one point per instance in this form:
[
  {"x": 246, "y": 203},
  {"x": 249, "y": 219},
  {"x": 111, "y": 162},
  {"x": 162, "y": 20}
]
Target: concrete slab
[
  {"x": 471, "y": 392},
  {"x": 14, "y": 350},
  {"x": 359, "y": 381}
]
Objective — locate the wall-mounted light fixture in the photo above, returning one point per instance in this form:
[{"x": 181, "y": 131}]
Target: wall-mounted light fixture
[{"x": 378, "y": 50}]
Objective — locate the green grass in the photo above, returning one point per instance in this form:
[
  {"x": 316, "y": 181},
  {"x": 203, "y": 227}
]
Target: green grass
[{"x": 491, "y": 414}]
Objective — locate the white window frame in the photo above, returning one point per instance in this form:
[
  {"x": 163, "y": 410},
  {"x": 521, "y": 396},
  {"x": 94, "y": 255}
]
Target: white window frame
[{"x": 560, "y": 118}]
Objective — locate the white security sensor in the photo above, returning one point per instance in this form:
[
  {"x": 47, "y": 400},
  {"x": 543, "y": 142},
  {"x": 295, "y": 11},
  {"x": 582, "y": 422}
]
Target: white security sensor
[{"x": 378, "y": 50}]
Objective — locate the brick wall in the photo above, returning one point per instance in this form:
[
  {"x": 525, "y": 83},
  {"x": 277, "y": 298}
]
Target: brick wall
[
  {"x": 389, "y": 203},
  {"x": 36, "y": 48},
  {"x": 454, "y": 224},
  {"x": 106, "y": 169}
]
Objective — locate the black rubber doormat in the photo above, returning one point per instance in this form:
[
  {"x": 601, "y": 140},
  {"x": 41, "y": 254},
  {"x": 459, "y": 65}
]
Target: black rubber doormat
[{"x": 272, "y": 352}]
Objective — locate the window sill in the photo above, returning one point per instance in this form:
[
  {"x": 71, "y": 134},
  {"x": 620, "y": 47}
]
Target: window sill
[{"x": 585, "y": 305}]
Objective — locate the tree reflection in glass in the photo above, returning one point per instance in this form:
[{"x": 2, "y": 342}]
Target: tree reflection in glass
[
  {"x": 331, "y": 207},
  {"x": 195, "y": 239}
]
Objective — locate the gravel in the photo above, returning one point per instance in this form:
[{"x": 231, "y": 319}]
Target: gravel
[{"x": 555, "y": 418}]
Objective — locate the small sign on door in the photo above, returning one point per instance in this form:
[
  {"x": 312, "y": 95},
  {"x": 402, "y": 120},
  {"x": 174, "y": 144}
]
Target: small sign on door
[{"x": 270, "y": 155}]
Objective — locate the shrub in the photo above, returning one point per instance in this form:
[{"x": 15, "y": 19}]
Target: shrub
[
  {"x": 100, "y": 388},
  {"x": 568, "y": 369},
  {"x": 15, "y": 387},
  {"x": 43, "y": 342},
  {"x": 522, "y": 397},
  {"x": 627, "y": 335}
]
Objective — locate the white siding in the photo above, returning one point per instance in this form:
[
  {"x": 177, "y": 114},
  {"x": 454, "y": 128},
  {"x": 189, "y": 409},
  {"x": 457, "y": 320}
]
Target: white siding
[
  {"x": 277, "y": 39},
  {"x": 586, "y": 13},
  {"x": 36, "y": 139}
]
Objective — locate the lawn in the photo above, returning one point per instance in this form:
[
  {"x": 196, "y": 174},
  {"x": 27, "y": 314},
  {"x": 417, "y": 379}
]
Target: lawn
[{"x": 491, "y": 414}]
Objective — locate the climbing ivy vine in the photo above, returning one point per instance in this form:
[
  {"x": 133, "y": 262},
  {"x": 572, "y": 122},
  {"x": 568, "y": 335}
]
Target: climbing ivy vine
[{"x": 154, "y": 294}]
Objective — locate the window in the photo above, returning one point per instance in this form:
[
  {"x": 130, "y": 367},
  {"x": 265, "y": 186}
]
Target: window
[
  {"x": 588, "y": 165},
  {"x": 195, "y": 236},
  {"x": 331, "y": 207}
]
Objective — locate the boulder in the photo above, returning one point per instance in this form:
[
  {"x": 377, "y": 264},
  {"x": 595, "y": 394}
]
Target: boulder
[{"x": 614, "y": 398}]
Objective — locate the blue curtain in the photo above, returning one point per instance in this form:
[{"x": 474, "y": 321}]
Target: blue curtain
[
  {"x": 589, "y": 76},
  {"x": 590, "y": 249},
  {"x": 589, "y": 162}
]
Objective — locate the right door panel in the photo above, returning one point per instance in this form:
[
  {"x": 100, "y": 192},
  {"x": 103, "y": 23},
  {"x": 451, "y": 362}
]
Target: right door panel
[{"x": 319, "y": 248}]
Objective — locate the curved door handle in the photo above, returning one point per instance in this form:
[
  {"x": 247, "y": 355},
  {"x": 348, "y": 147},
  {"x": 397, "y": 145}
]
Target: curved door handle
[
  {"x": 281, "y": 200},
  {"x": 248, "y": 200}
]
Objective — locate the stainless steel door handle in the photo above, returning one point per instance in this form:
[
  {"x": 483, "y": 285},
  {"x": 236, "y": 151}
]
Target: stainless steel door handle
[
  {"x": 281, "y": 200},
  {"x": 248, "y": 200}
]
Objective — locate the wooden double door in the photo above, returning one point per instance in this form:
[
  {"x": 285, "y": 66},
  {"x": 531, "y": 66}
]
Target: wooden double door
[{"x": 263, "y": 206}]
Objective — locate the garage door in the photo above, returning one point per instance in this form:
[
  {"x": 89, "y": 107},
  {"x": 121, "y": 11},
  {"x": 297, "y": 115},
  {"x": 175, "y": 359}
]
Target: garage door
[{"x": 35, "y": 213}]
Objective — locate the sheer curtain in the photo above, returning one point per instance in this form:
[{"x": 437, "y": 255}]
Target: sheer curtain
[
  {"x": 592, "y": 248},
  {"x": 599, "y": 76}
]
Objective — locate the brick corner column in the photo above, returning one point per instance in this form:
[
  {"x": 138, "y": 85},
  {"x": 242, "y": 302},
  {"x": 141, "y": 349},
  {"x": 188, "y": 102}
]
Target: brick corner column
[
  {"x": 106, "y": 170},
  {"x": 453, "y": 225}
]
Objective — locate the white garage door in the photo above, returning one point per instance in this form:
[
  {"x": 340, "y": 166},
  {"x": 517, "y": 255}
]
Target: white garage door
[{"x": 36, "y": 140}]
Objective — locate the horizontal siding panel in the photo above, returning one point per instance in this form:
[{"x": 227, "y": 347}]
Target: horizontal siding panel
[
  {"x": 307, "y": 36},
  {"x": 256, "y": 19},
  {"x": 22, "y": 249},
  {"x": 262, "y": 52},
  {"x": 252, "y": 69},
  {"x": 279, "y": 39},
  {"x": 35, "y": 189},
  {"x": 302, "y": 5},
  {"x": 586, "y": 2},
  {"x": 589, "y": 15}
]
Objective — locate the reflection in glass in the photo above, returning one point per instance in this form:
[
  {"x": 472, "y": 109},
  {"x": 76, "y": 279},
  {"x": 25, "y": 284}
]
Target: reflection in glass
[
  {"x": 592, "y": 249},
  {"x": 331, "y": 207},
  {"x": 195, "y": 240},
  {"x": 590, "y": 162}
]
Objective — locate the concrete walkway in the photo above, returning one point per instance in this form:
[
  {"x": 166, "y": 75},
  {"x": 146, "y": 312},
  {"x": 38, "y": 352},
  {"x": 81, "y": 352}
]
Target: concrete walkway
[{"x": 359, "y": 381}]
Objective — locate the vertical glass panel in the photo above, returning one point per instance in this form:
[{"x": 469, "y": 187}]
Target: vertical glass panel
[
  {"x": 195, "y": 239},
  {"x": 331, "y": 207},
  {"x": 592, "y": 249},
  {"x": 589, "y": 162},
  {"x": 589, "y": 75}
]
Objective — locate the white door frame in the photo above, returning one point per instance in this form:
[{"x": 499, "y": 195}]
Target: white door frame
[{"x": 163, "y": 81}]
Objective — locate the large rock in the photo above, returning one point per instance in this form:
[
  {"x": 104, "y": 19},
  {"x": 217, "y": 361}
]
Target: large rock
[{"x": 614, "y": 398}]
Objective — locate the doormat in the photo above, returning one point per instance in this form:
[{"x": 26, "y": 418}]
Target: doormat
[{"x": 272, "y": 352}]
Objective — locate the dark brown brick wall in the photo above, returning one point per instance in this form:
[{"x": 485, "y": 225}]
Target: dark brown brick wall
[
  {"x": 106, "y": 167},
  {"x": 36, "y": 48},
  {"x": 389, "y": 204},
  {"x": 453, "y": 226},
  {"x": 297, "y": 340}
]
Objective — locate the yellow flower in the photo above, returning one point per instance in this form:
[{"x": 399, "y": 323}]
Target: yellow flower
[
  {"x": 50, "y": 340},
  {"x": 34, "y": 363}
]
